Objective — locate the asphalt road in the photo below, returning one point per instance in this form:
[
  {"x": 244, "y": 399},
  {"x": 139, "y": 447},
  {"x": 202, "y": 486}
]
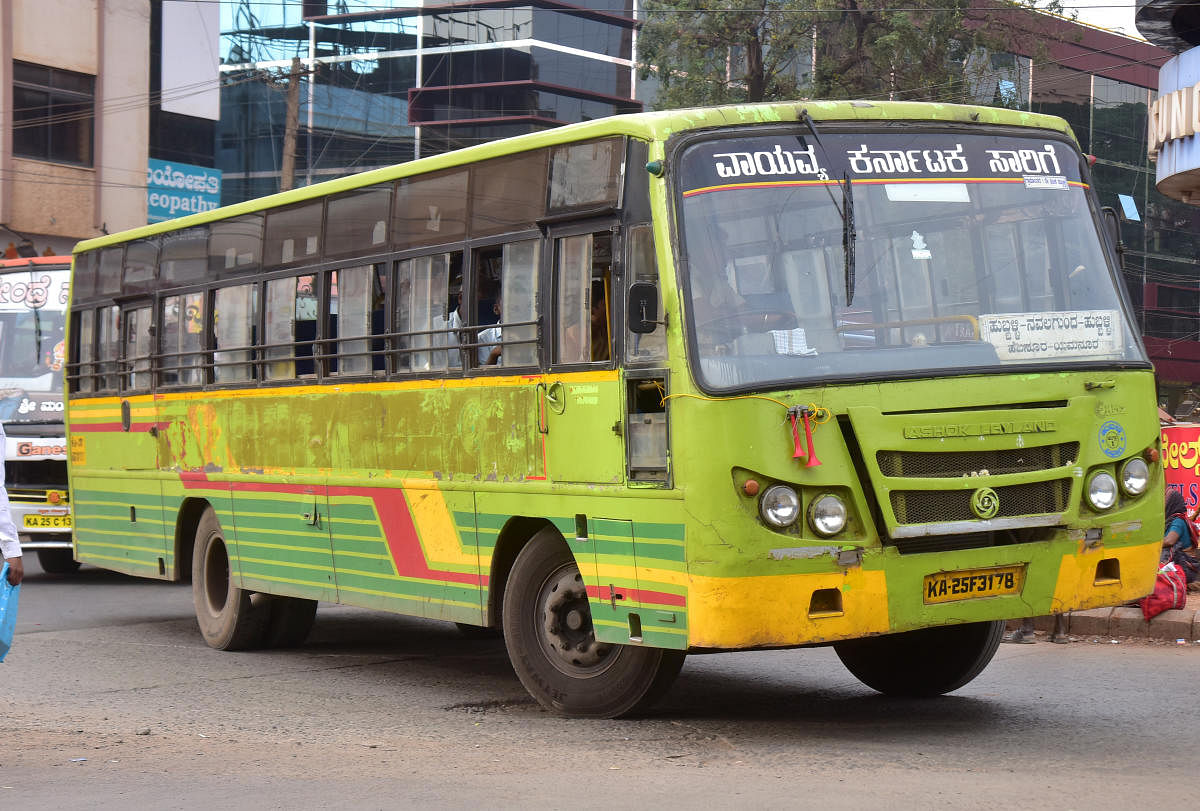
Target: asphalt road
[{"x": 111, "y": 700}]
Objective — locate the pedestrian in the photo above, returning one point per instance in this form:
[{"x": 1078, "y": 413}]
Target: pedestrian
[
  {"x": 1179, "y": 547},
  {"x": 10, "y": 543},
  {"x": 1025, "y": 634}
]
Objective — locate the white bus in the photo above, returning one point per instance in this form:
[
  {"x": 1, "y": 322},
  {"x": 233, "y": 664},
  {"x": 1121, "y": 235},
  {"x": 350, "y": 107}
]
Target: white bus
[{"x": 33, "y": 303}]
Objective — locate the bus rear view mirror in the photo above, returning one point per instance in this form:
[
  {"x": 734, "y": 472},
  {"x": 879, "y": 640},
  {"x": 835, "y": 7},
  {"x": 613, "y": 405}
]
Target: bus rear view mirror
[
  {"x": 642, "y": 308},
  {"x": 1112, "y": 231}
]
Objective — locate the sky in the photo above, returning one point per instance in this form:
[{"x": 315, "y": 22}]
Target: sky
[{"x": 1115, "y": 15}]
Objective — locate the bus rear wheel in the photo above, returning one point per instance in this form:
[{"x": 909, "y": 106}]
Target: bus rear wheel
[
  {"x": 227, "y": 617},
  {"x": 57, "y": 561},
  {"x": 922, "y": 663},
  {"x": 553, "y": 648}
]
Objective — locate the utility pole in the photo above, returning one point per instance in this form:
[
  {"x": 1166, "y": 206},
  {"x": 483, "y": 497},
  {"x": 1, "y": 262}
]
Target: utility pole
[{"x": 287, "y": 171}]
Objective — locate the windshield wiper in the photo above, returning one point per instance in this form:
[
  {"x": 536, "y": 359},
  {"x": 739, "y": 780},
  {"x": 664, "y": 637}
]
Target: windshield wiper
[
  {"x": 848, "y": 234},
  {"x": 845, "y": 211}
]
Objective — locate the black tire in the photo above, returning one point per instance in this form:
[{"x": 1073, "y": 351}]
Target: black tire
[
  {"x": 227, "y": 617},
  {"x": 923, "y": 663},
  {"x": 289, "y": 621},
  {"x": 57, "y": 561},
  {"x": 548, "y": 632}
]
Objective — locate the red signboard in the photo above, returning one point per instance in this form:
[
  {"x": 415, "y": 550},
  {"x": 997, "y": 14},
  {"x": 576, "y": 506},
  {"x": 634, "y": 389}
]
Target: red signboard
[{"x": 1181, "y": 460}]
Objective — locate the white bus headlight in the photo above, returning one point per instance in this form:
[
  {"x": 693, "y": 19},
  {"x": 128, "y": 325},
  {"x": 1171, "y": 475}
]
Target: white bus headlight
[
  {"x": 1135, "y": 476},
  {"x": 779, "y": 506},
  {"x": 1102, "y": 491},
  {"x": 827, "y": 515}
]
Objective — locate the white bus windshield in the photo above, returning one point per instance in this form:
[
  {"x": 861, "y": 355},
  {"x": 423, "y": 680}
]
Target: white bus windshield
[
  {"x": 970, "y": 252},
  {"x": 32, "y": 320}
]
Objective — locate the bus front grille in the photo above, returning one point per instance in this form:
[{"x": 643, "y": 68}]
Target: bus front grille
[
  {"x": 949, "y": 465},
  {"x": 938, "y": 506}
]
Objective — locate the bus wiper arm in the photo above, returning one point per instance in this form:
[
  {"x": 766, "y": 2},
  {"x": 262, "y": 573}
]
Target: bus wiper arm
[
  {"x": 848, "y": 236},
  {"x": 845, "y": 211}
]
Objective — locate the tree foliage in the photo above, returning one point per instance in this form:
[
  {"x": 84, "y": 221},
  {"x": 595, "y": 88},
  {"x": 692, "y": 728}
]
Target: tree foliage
[{"x": 762, "y": 50}]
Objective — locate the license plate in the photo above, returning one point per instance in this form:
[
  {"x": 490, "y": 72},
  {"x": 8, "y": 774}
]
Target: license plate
[
  {"x": 968, "y": 584},
  {"x": 47, "y": 521}
]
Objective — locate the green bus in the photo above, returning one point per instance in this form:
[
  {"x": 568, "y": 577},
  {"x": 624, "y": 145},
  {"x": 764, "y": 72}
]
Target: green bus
[{"x": 856, "y": 374}]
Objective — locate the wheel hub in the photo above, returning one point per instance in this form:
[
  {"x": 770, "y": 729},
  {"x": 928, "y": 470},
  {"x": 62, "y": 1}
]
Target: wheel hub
[{"x": 567, "y": 632}]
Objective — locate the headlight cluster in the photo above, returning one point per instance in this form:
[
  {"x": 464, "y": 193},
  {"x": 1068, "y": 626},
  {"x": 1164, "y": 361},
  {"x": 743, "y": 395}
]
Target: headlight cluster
[
  {"x": 779, "y": 507},
  {"x": 1102, "y": 487}
]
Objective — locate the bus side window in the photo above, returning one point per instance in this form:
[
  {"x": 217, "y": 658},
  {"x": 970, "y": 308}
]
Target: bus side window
[
  {"x": 182, "y": 339},
  {"x": 584, "y": 306},
  {"x": 518, "y": 330},
  {"x": 109, "y": 344},
  {"x": 356, "y": 314},
  {"x": 135, "y": 357},
  {"x": 234, "y": 310},
  {"x": 422, "y": 292},
  {"x": 291, "y": 327},
  {"x": 650, "y": 347},
  {"x": 84, "y": 338}
]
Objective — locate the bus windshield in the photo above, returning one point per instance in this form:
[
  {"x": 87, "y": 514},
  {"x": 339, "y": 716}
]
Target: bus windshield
[
  {"x": 32, "y": 321},
  {"x": 967, "y": 252}
]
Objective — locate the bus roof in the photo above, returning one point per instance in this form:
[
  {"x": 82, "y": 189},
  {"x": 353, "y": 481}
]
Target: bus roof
[
  {"x": 653, "y": 126},
  {"x": 31, "y": 261}
]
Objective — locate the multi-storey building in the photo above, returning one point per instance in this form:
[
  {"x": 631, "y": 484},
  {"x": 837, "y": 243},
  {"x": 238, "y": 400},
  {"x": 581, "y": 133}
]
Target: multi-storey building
[
  {"x": 378, "y": 86},
  {"x": 85, "y": 105}
]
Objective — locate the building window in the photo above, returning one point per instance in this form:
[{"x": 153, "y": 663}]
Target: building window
[{"x": 53, "y": 114}]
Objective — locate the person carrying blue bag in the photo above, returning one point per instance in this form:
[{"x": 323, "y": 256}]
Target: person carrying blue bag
[{"x": 13, "y": 569}]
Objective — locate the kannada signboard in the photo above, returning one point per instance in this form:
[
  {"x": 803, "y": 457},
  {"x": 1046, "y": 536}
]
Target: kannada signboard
[
  {"x": 1034, "y": 336},
  {"x": 177, "y": 189},
  {"x": 1181, "y": 460}
]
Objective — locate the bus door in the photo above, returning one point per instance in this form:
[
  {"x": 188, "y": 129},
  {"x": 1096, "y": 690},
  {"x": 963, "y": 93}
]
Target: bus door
[{"x": 580, "y": 402}]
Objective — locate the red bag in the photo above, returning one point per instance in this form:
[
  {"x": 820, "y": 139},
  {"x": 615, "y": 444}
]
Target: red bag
[{"x": 1170, "y": 591}]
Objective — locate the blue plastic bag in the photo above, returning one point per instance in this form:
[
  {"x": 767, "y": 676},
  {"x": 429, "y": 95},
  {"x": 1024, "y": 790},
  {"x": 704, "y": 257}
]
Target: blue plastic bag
[{"x": 8, "y": 612}]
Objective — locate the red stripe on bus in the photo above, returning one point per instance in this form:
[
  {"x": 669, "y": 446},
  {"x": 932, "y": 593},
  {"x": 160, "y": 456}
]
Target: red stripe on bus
[
  {"x": 398, "y": 529},
  {"x": 641, "y": 596},
  {"x": 115, "y": 427}
]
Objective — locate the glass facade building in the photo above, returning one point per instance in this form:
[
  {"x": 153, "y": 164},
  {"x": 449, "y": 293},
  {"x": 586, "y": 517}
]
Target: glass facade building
[{"x": 379, "y": 85}]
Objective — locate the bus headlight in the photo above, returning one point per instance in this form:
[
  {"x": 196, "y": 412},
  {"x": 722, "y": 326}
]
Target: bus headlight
[
  {"x": 1102, "y": 491},
  {"x": 1135, "y": 476},
  {"x": 779, "y": 506},
  {"x": 827, "y": 515}
]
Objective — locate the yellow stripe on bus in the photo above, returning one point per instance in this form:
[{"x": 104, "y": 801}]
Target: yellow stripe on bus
[
  {"x": 110, "y": 406},
  {"x": 435, "y": 525}
]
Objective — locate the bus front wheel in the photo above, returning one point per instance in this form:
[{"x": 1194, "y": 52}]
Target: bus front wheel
[
  {"x": 553, "y": 648},
  {"x": 228, "y": 619},
  {"x": 922, "y": 663}
]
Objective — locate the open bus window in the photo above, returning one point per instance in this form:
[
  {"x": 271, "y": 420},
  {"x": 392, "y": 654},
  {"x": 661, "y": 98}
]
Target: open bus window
[
  {"x": 84, "y": 338},
  {"x": 504, "y": 319},
  {"x": 583, "y": 301},
  {"x": 355, "y": 315},
  {"x": 108, "y": 340},
  {"x": 234, "y": 310},
  {"x": 291, "y": 328},
  {"x": 182, "y": 340},
  {"x": 422, "y": 293},
  {"x": 136, "y": 353}
]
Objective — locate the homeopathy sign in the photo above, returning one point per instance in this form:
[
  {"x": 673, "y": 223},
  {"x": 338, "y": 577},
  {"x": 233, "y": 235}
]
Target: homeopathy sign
[{"x": 177, "y": 189}]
